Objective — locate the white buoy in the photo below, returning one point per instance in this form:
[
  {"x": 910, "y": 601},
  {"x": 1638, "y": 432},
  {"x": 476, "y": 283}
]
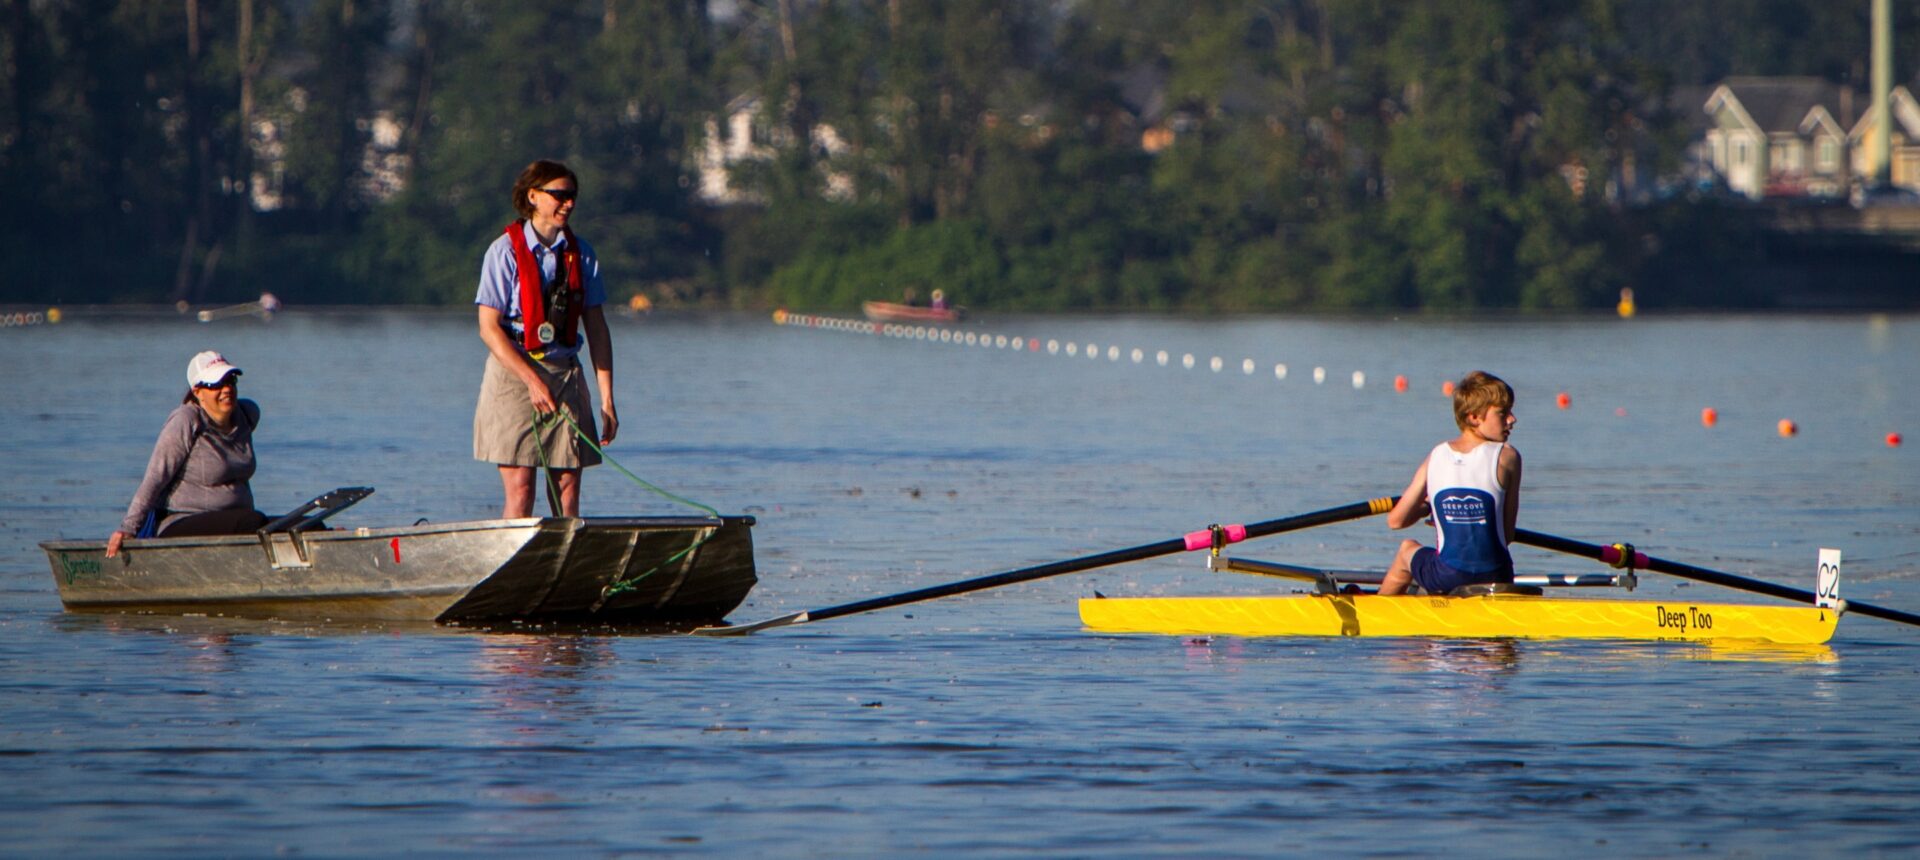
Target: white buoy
[
  {"x": 1186, "y": 361},
  {"x": 1073, "y": 348},
  {"x": 1053, "y": 347},
  {"x": 1319, "y": 375},
  {"x": 1138, "y": 354},
  {"x": 1160, "y": 358},
  {"x": 1246, "y": 366},
  {"x": 1279, "y": 371},
  {"x": 1216, "y": 364},
  {"x": 1359, "y": 380}
]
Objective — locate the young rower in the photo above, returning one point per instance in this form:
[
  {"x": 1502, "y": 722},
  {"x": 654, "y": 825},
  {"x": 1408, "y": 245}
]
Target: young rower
[{"x": 1470, "y": 486}]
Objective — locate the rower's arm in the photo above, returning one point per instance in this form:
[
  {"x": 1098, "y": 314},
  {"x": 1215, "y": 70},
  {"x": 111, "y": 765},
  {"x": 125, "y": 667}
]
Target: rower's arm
[
  {"x": 1509, "y": 473},
  {"x": 1412, "y": 506}
]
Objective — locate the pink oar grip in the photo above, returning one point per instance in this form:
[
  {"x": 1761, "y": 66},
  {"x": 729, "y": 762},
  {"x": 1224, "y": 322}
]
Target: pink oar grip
[
  {"x": 1612, "y": 555},
  {"x": 1203, "y": 538}
]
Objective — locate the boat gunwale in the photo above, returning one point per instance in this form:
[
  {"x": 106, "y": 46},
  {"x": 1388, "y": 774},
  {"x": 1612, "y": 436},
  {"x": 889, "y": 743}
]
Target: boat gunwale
[{"x": 664, "y": 523}]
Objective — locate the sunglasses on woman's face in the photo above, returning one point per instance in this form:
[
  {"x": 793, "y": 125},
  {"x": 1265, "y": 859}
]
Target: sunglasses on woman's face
[
  {"x": 563, "y": 195},
  {"x": 229, "y": 379}
]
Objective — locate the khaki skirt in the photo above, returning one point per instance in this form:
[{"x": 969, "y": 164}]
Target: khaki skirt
[{"x": 503, "y": 429}]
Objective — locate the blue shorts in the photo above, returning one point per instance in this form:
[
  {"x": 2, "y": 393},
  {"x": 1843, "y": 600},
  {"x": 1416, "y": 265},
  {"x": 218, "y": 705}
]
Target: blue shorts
[{"x": 1435, "y": 577}]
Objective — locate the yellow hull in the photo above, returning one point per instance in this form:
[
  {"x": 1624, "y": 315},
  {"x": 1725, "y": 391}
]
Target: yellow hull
[{"x": 1491, "y": 617}]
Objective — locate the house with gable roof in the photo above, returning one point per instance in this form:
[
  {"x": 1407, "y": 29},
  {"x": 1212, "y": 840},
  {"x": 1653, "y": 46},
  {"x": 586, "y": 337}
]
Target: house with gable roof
[
  {"x": 1782, "y": 137},
  {"x": 1905, "y": 157},
  {"x": 1802, "y": 137}
]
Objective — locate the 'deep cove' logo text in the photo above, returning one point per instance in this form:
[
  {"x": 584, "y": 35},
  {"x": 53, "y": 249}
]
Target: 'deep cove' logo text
[{"x": 1462, "y": 508}]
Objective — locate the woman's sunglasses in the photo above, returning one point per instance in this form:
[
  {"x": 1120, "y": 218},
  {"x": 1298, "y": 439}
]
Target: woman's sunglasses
[
  {"x": 564, "y": 195},
  {"x": 229, "y": 379}
]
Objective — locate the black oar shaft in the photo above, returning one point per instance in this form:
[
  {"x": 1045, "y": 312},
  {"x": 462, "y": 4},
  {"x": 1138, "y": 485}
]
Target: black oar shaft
[
  {"x": 1074, "y": 565},
  {"x": 1089, "y": 562},
  {"x": 1701, "y": 574}
]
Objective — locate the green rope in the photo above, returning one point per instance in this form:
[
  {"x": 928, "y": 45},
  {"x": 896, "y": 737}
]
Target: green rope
[
  {"x": 618, "y": 586},
  {"x": 540, "y": 424}
]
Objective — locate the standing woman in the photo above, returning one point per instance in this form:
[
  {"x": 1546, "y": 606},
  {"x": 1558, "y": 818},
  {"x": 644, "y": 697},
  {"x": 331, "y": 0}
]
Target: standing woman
[
  {"x": 197, "y": 478},
  {"x": 538, "y": 283}
]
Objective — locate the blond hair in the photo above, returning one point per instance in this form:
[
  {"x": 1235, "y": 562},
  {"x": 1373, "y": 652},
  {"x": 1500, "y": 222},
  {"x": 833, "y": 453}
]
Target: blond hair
[{"x": 1475, "y": 392}]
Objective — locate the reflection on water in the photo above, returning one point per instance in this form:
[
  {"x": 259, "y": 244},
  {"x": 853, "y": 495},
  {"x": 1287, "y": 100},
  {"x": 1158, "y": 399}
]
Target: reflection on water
[
  {"x": 549, "y": 677},
  {"x": 1484, "y": 658},
  {"x": 1765, "y": 652}
]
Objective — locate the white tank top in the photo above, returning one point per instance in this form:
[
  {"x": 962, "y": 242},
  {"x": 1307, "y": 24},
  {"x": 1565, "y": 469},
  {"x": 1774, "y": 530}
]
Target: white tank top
[{"x": 1469, "y": 507}]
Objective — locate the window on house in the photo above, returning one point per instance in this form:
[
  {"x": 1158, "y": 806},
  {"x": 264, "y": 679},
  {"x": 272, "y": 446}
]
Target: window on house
[
  {"x": 1829, "y": 154},
  {"x": 1739, "y": 153}
]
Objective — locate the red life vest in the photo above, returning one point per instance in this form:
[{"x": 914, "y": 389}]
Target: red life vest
[{"x": 533, "y": 294}]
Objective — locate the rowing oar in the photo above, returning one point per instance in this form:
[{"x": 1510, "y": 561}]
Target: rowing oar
[
  {"x": 1616, "y": 555},
  {"x": 1202, "y": 539}
]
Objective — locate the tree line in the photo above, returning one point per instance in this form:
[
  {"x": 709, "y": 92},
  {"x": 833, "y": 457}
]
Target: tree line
[{"x": 1020, "y": 155}]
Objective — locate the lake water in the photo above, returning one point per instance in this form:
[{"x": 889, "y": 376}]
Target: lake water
[{"x": 988, "y": 723}]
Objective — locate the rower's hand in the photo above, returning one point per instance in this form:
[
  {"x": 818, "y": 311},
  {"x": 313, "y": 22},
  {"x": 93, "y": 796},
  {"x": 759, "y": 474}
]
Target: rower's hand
[
  {"x": 541, "y": 397},
  {"x": 609, "y": 424},
  {"x": 113, "y": 543}
]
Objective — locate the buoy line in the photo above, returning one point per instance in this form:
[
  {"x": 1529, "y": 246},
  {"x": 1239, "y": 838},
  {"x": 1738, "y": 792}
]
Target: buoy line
[
  {"x": 20, "y": 319},
  {"x": 1786, "y": 428}
]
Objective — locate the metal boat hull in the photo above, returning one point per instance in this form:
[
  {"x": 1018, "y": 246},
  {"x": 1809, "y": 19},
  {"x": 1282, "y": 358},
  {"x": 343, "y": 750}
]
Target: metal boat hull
[
  {"x": 1500, "y": 616},
  {"x": 554, "y": 568}
]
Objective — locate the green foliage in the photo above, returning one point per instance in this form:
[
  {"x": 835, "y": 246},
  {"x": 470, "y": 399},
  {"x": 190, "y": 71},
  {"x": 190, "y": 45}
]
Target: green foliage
[
  {"x": 953, "y": 255},
  {"x": 1305, "y": 154}
]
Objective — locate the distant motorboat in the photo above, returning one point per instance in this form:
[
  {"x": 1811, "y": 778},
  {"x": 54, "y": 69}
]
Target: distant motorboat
[{"x": 896, "y": 313}]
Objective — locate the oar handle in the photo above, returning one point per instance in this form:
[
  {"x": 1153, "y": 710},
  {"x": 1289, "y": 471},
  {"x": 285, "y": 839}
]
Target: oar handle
[
  {"x": 1183, "y": 543},
  {"x": 1613, "y": 555}
]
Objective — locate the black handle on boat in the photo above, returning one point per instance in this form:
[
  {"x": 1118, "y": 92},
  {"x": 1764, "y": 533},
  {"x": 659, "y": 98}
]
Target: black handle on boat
[
  {"x": 1643, "y": 561},
  {"x": 1074, "y": 565}
]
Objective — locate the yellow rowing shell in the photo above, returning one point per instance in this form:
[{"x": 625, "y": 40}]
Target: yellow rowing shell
[{"x": 1498, "y": 616}]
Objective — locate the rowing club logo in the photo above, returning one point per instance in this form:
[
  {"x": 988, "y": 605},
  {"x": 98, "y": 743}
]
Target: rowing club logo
[{"x": 1463, "y": 507}]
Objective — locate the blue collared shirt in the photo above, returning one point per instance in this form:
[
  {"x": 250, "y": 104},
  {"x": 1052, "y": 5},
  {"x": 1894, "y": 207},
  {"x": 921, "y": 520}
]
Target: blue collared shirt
[{"x": 500, "y": 284}]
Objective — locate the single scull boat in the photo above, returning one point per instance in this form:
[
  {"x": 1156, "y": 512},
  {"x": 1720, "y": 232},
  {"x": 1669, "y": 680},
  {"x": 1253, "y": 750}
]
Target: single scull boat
[{"x": 1338, "y": 607}]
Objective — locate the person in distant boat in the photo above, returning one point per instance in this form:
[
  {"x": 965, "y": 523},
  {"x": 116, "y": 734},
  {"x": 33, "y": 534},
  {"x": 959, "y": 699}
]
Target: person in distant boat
[
  {"x": 196, "y": 481},
  {"x": 539, "y": 284},
  {"x": 1470, "y": 487},
  {"x": 909, "y": 297},
  {"x": 939, "y": 300}
]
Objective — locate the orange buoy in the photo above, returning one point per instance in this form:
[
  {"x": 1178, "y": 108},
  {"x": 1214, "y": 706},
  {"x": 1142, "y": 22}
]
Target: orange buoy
[
  {"x": 1787, "y": 428},
  {"x": 1400, "y": 384},
  {"x": 1446, "y": 388},
  {"x": 1620, "y": 411},
  {"x": 1709, "y": 417},
  {"x": 1893, "y": 440},
  {"x": 1563, "y": 401}
]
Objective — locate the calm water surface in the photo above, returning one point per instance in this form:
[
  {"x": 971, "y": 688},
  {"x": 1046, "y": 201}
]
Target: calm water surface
[{"x": 989, "y": 723}]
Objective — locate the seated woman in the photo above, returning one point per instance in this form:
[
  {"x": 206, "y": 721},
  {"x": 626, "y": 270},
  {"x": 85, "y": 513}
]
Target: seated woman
[{"x": 196, "y": 482}]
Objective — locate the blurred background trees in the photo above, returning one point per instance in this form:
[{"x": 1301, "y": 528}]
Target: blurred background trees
[{"x": 1143, "y": 154}]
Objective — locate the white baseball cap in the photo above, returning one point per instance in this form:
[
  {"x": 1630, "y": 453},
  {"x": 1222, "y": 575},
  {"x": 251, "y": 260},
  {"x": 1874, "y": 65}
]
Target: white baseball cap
[{"x": 208, "y": 368}]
